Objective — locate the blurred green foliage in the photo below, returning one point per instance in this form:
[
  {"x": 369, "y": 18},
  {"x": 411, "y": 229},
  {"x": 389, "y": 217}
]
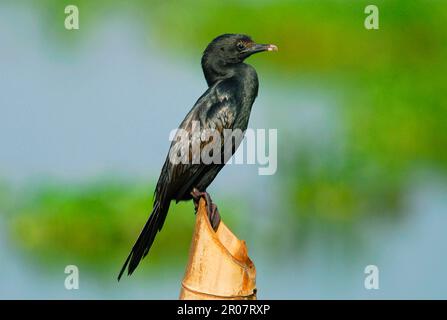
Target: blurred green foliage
[
  {"x": 391, "y": 84},
  {"x": 97, "y": 223},
  {"x": 391, "y": 80}
]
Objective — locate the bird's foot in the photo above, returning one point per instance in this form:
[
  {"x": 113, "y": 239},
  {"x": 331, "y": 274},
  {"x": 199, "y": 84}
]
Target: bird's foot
[{"x": 211, "y": 208}]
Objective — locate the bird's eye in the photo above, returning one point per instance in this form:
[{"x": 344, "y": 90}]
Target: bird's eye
[{"x": 240, "y": 46}]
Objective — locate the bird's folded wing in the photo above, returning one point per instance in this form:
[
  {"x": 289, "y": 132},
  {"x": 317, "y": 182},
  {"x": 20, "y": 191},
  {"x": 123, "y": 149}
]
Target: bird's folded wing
[{"x": 215, "y": 110}]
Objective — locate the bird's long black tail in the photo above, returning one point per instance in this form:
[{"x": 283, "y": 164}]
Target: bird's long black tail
[{"x": 146, "y": 238}]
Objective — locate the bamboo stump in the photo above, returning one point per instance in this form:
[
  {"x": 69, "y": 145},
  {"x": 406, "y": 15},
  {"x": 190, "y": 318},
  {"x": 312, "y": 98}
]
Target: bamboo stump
[{"x": 218, "y": 266}]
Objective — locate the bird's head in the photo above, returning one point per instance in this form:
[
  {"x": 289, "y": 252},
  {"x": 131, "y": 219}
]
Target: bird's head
[
  {"x": 235, "y": 48},
  {"x": 229, "y": 49}
]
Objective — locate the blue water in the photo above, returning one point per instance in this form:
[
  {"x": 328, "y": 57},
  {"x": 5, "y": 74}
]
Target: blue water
[{"x": 100, "y": 108}]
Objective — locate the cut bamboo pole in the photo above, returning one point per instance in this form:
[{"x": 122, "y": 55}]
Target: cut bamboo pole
[{"x": 218, "y": 266}]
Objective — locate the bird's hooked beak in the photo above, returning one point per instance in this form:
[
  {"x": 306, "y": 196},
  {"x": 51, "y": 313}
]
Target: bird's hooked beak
[{"x": 261, "y": 47}]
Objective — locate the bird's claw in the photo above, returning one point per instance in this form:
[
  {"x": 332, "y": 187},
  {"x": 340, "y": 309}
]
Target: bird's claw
[
  {"x": 214, "y": 217},
  {"x": 211, "y": 208}
]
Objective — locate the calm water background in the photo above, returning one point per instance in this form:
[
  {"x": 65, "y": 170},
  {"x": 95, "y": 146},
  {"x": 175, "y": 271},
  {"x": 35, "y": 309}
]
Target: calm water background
[{"x": 106, "y": 106}]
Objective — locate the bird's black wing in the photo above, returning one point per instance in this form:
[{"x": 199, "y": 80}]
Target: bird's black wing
[{"x": 215, "y": 109}]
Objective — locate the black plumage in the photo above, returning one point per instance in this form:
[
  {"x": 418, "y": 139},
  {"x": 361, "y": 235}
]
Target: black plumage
[{"x": 226, "y": 104}]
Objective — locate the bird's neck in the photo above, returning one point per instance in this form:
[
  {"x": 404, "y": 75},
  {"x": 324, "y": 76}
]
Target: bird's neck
[{"x": 216, "y": 70}]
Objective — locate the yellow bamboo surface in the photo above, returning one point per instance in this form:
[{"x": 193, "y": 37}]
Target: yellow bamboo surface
[{"x": 218, "y": 266}]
